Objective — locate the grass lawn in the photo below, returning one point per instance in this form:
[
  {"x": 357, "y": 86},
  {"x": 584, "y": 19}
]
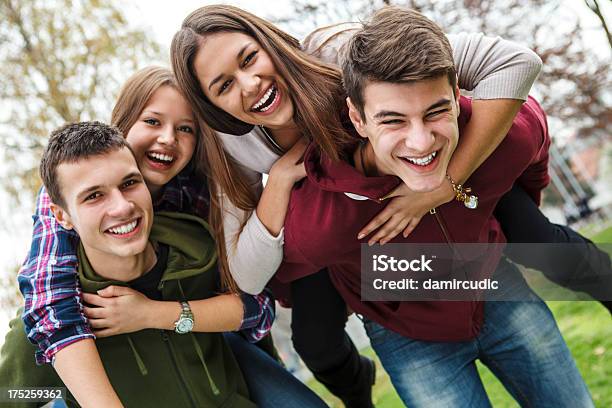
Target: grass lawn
[
  {"x": 587, "y": 329},
  {"x": 605, "y": 236}
]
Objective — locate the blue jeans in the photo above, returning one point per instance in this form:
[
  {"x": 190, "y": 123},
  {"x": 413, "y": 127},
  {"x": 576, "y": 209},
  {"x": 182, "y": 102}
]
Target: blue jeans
[
  {"x": 519, "y": 342},
  {"x": 270, "y": 385}
]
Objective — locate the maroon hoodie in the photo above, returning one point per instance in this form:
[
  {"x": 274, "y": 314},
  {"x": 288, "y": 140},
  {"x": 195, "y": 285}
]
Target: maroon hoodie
[{"x": 322, "y": 224}]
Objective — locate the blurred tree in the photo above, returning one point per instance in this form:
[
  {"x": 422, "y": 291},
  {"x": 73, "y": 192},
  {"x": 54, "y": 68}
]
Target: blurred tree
[
  {"x": 10, "y": 297},
  {"x": 62, "y": 61}
]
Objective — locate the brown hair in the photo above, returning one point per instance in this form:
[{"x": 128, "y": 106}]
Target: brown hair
[
  {"x": 136, "y": 92},
  {"x": 134, "y": 96},
  {"x": 71, "y": 143},
  {"x": 397, "y": 45},
  {"x": 315, "y": 89}
]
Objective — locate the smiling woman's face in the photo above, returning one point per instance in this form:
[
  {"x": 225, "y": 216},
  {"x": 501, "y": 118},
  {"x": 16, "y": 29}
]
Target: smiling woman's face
[
  {"x": 238, "y": 76},
  {"x": 163, "y": 138}
]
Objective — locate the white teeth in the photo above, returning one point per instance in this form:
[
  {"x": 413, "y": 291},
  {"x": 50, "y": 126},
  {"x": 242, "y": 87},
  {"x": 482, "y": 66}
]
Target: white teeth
[
  {"x": 266, "y": 108},
  {"x": 422, "y": 161},
  {"x": 125, "y": 228},
  {"x": 162, "y": 157},
  {"x": 263, "y": 100}
]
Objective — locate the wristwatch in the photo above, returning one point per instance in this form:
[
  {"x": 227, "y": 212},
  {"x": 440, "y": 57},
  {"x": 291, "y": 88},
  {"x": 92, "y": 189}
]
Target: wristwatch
[{"x": 184, "y": 324}]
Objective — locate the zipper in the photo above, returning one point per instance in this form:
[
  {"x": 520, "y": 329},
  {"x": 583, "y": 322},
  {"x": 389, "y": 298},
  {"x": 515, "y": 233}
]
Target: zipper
[
  {"x": 181, "y": 377},
  {"x": 436, "y": 213},
  {"x": 473, "y": 305},
  {"x": 442, "y": 226}
]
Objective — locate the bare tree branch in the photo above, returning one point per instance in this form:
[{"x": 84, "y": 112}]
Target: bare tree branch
[{"x": 594, "y": 6}]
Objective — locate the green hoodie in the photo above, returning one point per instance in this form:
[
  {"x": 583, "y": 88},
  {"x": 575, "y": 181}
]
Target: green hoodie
[{"x": 152, "y": 368}]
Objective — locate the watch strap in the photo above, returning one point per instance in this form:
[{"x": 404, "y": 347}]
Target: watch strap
[{"x": 186, "y": 310}]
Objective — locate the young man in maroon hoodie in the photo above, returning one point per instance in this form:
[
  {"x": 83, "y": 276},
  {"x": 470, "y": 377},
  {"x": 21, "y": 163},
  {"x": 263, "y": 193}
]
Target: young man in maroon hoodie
[{"x": 404, "y": 102}]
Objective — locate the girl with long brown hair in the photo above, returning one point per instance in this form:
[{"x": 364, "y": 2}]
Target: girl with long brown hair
[
  {"x": 264, "y": 95},
  {"x": 158, "y": 123}
]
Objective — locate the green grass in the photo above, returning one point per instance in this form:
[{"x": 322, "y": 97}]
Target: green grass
[
  {"x": 604, "y": 237},
  {"x": 587, "y": 329}
]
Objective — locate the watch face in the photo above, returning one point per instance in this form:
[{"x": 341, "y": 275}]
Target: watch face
[{"x": 185, "y": 325}]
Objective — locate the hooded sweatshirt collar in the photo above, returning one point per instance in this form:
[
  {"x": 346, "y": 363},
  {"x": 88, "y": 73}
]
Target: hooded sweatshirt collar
[{"x": 340, "y": 177}]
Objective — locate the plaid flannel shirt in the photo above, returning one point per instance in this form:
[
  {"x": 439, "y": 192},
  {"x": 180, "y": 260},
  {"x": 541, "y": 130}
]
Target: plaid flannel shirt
[{"x": 53, "y": 313}]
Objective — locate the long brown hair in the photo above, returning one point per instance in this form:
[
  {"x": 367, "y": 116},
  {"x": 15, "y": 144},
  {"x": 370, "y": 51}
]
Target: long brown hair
[
  {"x": 136, "y": 92},
  {"x": 133, "y": 97},
  {"x": 315, "y": 89}
]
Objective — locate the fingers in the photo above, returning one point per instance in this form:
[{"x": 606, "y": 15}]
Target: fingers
[
  {"x": 98, "y": 324},
  {"x": 95, "y": 300},
  {"x": 104, "y": 333},
  {"x": 390, "y": 230},
  {"x": 411, "y": 226},
  {"x": 376, "y": 222},
  {"x": 296, "y": 153},
  {"x": 113, "y": 290},
  {"x": 97, "y": 317},
  {"x": 94, "y": 312},
  {"x": 401, "y": 190},
  {"x": 393, "y": 228},
  {"x": 290, "y": 166},
  {"x": 401, "y": 216}
]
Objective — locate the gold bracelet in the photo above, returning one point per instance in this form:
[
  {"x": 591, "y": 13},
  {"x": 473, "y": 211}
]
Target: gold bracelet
[{"x": 461, "y": 194}]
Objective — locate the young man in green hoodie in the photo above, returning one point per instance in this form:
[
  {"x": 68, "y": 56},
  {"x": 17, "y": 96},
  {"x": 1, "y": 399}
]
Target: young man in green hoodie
[{"x": 97, "y": 189}]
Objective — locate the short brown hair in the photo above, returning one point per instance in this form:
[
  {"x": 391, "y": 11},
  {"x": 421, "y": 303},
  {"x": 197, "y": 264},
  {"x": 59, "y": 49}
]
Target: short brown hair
[
  {"x": 397, "y": 45},
  {"x": 71, "y": 143}
]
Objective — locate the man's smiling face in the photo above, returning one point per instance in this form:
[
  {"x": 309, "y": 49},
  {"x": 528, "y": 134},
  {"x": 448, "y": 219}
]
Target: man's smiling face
[
  {"x": 107, "y": 203},
  {"x": 412, "y": 128}
]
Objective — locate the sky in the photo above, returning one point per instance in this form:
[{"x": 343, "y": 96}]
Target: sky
[{"x": 163, "y": 20}]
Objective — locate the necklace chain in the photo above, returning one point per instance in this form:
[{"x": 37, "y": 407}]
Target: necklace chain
[{"x": 279, "y": 149}]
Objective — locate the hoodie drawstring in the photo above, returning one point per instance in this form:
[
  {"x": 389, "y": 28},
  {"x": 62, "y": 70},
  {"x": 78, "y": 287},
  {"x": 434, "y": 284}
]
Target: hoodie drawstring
[
  {"x": 141, "y": 364},
  {"x": 199, "y": 352}
]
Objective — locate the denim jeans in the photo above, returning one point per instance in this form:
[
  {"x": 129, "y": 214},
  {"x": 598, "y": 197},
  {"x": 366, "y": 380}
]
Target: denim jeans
[
  {"x": 519, "y": 342},
  {"x": 270, "y": 385}
]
